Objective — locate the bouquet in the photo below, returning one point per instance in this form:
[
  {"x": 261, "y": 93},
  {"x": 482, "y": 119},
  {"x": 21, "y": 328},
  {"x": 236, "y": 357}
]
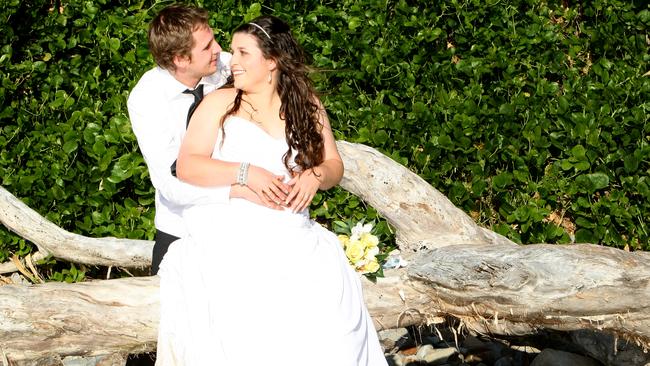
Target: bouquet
[{"x": 362, "y": 247}]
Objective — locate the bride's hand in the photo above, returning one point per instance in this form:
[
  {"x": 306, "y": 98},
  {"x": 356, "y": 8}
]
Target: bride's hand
[
  {"x": 303, "y": 189},
  {"x": 270, "y": 188}
]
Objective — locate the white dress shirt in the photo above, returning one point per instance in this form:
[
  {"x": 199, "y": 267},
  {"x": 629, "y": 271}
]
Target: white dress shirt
[{"x": 158, "y": 112}]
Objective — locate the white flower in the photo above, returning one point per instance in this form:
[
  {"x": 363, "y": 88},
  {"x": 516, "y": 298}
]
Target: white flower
[
  {"x": 360, "y": 229},
  {"x": 372, "y": 252}
]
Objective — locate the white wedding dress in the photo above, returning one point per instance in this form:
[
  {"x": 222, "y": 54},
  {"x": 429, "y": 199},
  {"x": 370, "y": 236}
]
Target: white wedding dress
[{"x": 256, "y": 286}]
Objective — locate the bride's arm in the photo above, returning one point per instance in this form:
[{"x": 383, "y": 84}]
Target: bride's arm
[
  {"x": 196, "y": 166},
  {"x": 330, "y": 171}
]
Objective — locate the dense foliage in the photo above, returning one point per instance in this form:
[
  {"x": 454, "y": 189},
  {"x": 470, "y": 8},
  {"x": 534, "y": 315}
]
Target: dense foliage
[{"x": 530, "y": 115}]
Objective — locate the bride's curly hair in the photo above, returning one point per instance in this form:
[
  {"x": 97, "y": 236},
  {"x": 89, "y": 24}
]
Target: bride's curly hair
[{"x": 297, "y": 95}]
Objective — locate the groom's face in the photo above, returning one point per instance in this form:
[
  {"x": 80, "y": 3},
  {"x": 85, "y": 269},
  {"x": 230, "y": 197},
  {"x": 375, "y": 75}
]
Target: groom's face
[{"x": 204, "y": 54}]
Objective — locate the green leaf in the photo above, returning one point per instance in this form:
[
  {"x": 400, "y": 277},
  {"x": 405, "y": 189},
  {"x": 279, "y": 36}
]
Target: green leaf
[
  {"x": 578, "y": 152},
  {"x": 353, "y": 23},
  {"x": 581, "y": 165},
  {"x": 478, "y": 187},
  {"x": 631, "y": 163},
  {"x": 593, "y": 182},
  {"x": 507, "y": 109},
  {"x": 114, "y": 44},
  {"x": 583, "y": 222},
  {"x": 563, "y": 104},
  {"x": 599, "y": 180},
  {"x": 254, "y": 10},
  {"x": 380, "y": 137},
  {"x": 565, "y": 164},
  {"x": 502, "y": 180},
  {"x": 586, "y": 236},
  {"x": 445, "y": 142},
  {"x": 70, "y": 146}
]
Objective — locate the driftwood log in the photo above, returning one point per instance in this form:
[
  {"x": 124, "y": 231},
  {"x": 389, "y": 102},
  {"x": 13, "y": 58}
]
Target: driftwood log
[{"x": 457, "y": 270}]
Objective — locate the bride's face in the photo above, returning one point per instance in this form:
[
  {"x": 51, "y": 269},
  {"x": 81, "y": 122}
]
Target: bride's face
[{"x": 249, "y": 67}]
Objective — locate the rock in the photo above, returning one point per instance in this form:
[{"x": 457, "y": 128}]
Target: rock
[
  {"x": 525, "y": 349},
  {"x": 505, "y": 361},
  {"x": 434, "y": 356},
  {"x": 115, "y": 359},
  {"x": 19, "y": 280},
  {"x": 393, "y": 338},
  {"x": 409, "y": 351},
  {"x": 472, "y": 358},
  {"x": 523, "y": 358},
  {"x": 608, "y": 349},
  {"x": 395, "y": 360},
  {"x": 424, "y": 350},
  {"x": 431, "y": 339},
  {"x": 473, "y": 344},
  {"x": 551, "y": 357},
  {"x": 476, "y": 350}
]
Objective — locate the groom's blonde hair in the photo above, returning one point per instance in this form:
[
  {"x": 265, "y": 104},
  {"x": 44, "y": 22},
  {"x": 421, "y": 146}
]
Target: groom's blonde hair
[{"x": 170, "y": 33}]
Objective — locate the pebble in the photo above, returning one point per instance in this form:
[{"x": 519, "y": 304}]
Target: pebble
[
  {"x": 19, "y": 280},
  {"x": 434, "y": 356},
  {"x": 394, "y": 338}
]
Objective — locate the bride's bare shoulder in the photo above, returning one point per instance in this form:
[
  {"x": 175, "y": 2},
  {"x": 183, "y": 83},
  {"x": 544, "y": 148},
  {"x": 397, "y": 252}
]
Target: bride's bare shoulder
[
  {"x": 214, "y": 104},
  {"x": 217, "y": 103},
  {"x": 222, "y": 97}
]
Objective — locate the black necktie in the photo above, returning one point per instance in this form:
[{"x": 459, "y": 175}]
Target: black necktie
[{"x": 198, "y": 96}]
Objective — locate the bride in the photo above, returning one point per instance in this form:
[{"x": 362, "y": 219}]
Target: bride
[{"x": 257, "y": 282}]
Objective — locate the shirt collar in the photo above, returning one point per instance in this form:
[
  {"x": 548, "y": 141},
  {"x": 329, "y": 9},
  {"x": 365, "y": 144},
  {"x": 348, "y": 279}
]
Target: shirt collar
[
  {"x": 171, "y": 87},
  {"x": 174, "y": 88}
]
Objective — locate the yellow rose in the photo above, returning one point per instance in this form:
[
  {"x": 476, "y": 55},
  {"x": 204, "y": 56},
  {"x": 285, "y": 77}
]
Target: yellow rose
[
  {"x": 369, "y": 239},
  {"x": 372, "y": 267},
  {"x": 354, "y": 251},
  {"x": 345, "y": 240}
]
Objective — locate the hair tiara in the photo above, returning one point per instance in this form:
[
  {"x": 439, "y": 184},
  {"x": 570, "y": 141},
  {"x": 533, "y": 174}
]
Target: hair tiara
[{"x": 260, "y": 28}]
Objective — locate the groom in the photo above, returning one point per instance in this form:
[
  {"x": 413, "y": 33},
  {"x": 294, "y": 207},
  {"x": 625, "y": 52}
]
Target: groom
[{"x": 190, "y": 64}]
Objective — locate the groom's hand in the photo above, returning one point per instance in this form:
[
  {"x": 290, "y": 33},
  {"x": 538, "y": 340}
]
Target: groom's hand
[
  {"x": 270, "y": 188},
  {"x": 245, "y": 192}
]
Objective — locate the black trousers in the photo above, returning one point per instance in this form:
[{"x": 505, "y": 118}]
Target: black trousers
[{"x": 160, "y": 246}]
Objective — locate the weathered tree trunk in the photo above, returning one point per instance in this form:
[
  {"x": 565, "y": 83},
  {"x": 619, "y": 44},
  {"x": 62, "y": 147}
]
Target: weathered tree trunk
[
  {"x": 514, "y": 290},
  {"x": 423, "y": 217},
  {"x": 61, "y": 244},
  {"x": 85, "y": 319},
  {"x": 456, "y": 270}
]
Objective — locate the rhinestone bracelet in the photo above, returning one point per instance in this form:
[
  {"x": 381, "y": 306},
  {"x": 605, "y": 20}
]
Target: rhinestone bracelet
[{"x": 242, "y": 176}]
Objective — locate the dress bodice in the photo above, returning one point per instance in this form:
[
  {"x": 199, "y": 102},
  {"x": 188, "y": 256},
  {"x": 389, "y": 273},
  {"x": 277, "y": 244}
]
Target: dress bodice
[{"x": 244, "y": 141}]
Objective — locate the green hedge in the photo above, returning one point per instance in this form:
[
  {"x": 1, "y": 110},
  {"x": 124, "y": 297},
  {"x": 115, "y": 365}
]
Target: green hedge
[{"x": 531, "y": 117}]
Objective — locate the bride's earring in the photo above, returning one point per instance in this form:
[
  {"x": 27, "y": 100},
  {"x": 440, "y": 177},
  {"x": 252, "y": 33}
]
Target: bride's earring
[{"x": 270, "y": 78}]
